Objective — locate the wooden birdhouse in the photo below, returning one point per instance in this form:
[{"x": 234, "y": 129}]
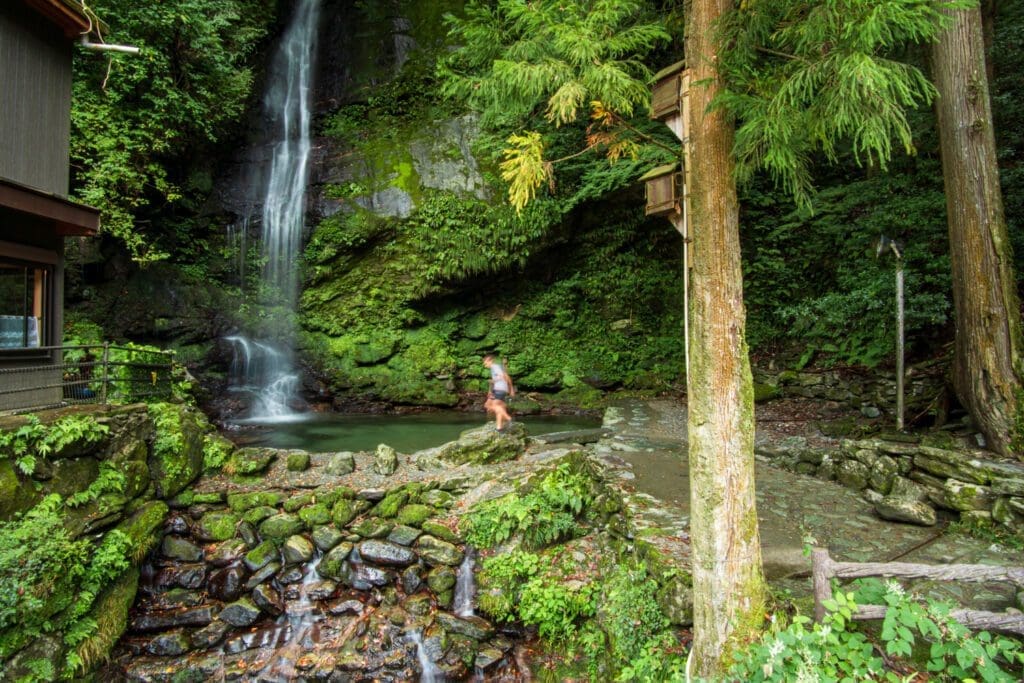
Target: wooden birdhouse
[
  {"x": 664, "y": 186},
  {"x": 666, "y": 92}
]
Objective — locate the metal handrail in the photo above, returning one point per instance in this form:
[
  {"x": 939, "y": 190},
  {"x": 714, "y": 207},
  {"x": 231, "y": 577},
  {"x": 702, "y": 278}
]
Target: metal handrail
[{"x": 98, "y": 373}]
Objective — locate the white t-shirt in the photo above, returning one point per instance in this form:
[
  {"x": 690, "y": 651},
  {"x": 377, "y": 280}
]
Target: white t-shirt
[{"x": 498, "y": 377}]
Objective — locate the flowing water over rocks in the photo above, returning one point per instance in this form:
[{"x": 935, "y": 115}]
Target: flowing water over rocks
[{"x": 277, "y": 572}]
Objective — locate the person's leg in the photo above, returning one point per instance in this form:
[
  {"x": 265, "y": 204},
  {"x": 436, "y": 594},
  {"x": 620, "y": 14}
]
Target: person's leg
[{"x": 503, "y": 418}]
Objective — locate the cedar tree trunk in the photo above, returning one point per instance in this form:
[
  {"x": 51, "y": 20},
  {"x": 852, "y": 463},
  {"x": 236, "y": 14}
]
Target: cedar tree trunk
[
  {"x": 728, "y": 582},
  {"x": 988, "y": 363}
]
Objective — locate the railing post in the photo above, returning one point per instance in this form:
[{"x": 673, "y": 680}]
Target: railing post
[
  {"x": 821, "y": 575},
  {"x": 106, "y": 373}
]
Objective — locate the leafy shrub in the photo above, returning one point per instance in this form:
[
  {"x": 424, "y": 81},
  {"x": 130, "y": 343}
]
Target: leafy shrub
[
  {"x": 837, "y": 650},
  {"x": 35, "y": 439},
  {"x": 546, "y": 513}
]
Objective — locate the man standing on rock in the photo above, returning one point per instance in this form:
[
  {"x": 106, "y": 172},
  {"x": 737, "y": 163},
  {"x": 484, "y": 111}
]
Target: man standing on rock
[{"x": 500, "y": 387}]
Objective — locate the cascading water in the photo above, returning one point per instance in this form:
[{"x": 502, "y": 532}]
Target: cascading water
[
  {"x": 287, "y": 106},
  {"x": 464, "y": 587},
  {"x": 429, "y": 672}
]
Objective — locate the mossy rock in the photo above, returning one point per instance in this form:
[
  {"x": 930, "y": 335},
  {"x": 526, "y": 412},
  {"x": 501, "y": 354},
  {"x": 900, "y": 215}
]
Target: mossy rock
[
  {"x": 375, "y": 351},
  {"x": 439, "y": 530},
  {"x": 294, "y": 503},
  {"x": 373, "y": 527},
  {"x": 136, "y": 477},
  {"x": 216, "y": 526},
  {"x": 344, "y": 511},
  {"x": 240, "y": 502},
  {"x": 315, "y": 515},
  {"x": 14, "y": 496},
  {"x": 580, "y": 396},
  {"x": 297, "y": 462},
  {"x": 210, "y": 498},
  {"x": 414, "y": 515},
  {"x": 176, "y": 459},
  {"x": 144, "y": 524},
  {"x": 485, "y": 445},
  {"x": 110, "y": 612},
  {"x": 391, "y": 504},
  {"x": 765, "y": 392},
  {"x": 258, "y": 514},
  {"x": 329, "y": 495},
  {"x": 261, "y": 555},
  {"x": 281, "y": 526},
  {"x": 250, "y": 461}
]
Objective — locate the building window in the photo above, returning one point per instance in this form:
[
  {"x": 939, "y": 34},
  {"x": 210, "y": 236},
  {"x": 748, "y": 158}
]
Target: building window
[{"x": 24, "y": 304}]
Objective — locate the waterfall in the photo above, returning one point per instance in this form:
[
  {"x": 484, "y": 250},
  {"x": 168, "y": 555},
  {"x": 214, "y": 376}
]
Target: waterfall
[
  {"x": 464, "y": 587},
  {"x": 430, "y": 673},
  {"x": 287, "y": 108}
]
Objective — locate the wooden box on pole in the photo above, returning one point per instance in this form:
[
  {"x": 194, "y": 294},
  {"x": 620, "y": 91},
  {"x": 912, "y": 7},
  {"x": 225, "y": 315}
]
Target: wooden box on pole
[{"x": 664, "y": 189}]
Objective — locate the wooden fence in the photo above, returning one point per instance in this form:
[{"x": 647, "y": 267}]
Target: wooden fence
[{"x": 824, "y": 568}]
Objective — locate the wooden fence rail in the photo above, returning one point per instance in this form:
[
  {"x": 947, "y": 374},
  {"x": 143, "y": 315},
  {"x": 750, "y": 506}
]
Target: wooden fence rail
[{"x": 824, "y": 568}]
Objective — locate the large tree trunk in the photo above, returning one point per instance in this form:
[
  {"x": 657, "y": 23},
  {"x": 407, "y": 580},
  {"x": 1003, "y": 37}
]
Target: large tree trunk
[
  {"x": 988, "y": 364},
  {"x": 728, "y": 582}
]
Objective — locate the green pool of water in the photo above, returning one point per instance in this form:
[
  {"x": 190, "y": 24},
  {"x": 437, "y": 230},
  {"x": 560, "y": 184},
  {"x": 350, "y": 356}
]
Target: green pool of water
[{"x": 405, "y": 433}]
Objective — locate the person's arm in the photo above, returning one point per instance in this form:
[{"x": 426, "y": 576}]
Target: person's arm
[{"x": 511, "y": 387}]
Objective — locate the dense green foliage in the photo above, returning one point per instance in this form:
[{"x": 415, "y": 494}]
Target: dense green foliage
[
  {"x": 139, "y": 123},
  {"x": 837, "y": 649},
  {"x": 34, "y": 439}
]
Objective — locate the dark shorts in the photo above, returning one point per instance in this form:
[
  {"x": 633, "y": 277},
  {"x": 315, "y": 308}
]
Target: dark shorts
[{"x": 499, "y": 395}]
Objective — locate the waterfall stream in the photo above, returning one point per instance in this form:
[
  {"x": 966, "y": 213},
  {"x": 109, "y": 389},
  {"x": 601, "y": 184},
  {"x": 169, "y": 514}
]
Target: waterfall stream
[
  {"x": 464, "y": 587},
  {"x": 287, "y": 108}
]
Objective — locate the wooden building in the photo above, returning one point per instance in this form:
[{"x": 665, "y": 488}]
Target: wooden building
[{"x": 36, "y": 43}]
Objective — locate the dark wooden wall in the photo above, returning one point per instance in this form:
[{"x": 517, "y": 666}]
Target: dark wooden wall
[{"x": 35, "y": 100}]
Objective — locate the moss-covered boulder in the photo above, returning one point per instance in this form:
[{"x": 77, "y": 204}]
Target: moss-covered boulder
[
  {"x": 240, "y": 502},
  {"x": 281, "y": 526},
  {"x": 333, "y": 563},
  {"x": 391, "y": 504},
  {"x": 14, "y": 497},
  {"x": 385, "y": 460},
  {"x": 485, "y": 445},
  {"x": 414, "y": 515},
  {"x": 217, "y": 525},
  {"x": 261, "y": 555},
  {"x": 315, "y": 515},
  {"x": 176, "y": 458},
  {"x": 250, "y": 461},
  {"x": 298, "y": 461},
  {"x": 438, "y": 530},
  {"x": 345, "y": 510}
]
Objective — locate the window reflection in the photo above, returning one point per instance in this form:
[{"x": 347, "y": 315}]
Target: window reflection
[{"x": 23, "y": 309}]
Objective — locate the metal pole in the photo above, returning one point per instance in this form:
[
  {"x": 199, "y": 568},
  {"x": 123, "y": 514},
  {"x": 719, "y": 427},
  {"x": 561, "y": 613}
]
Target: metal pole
[
  {"x": 106, "y": 361},
  {"x": 686, "y": 286},
  {"x": 899, "y": 340}
]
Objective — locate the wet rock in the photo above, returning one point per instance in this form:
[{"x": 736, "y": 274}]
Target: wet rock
[
  {"x": 385, "y": 461},
  {"x": 162, "y": 620},
  {"x": 383, "y": 552},
  {"x": 181, "y": 597},
  {"x": 177, "y": 524},
  {"x": 903, "y": 510},
  {"x": 905, "y": 489},
  {"x": 340, "y": 464},
  {"x": 326, "y": 537},
  {"x": 439, "y": 530},
  {"x": 261, "y": 555},
  {"x": 403, "y": 535},
  {"x": 240, "y": 502},
  {"x": 364, "y": 577},
  {"x": 487, "y": 657},
  {"x": 227, "y": 553},
  {"x": 262, "y": 575},
  {"x": 437, "y": 498},
  {"x": 298, "y": 461},
  {"x": 332, "y": 564},
  {"x": 321, "y": 590},
  {"x": 269, "y": 637},
  {"x": 371, "y": 495},
  {"x": 485, "y": 445},
  {"x": 175, "y": 548},
  {"x": 247, "y": 461},
  {"x": 168, "y": 644},
  {"x": 315, "y": 515},
  {"x": 411, "y": 580},
  {"x": 419, "y": 605},
  {"x": 240, "y": 613},
  {"x": 437, "y": 552},
  {"x": 183, "y": 576},
  {"x": 344, "y": 606},
  {"x": 267, "y": 598},
  {"x": 374, "y": 527},
  {"x": 227, "y": 584},
  {"x": 441, "y": 579},
  {"x": 210, "y": 635},
  {"x": 297, "y": 549},
  {"x": 293, "y": 574},
  {"x": 281, "y": 526}
]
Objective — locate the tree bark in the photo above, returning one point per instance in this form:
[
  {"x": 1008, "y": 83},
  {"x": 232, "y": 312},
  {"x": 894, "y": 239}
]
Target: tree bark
[
  {"x": 988, "y": 362},
  {"x": 728, "y": 580}
]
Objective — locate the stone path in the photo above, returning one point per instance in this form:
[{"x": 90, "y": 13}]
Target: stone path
[{"x": 649, "y": 440}]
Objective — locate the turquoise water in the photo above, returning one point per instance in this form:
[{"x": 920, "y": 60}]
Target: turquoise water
[{"x": 405, "y": 433}]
